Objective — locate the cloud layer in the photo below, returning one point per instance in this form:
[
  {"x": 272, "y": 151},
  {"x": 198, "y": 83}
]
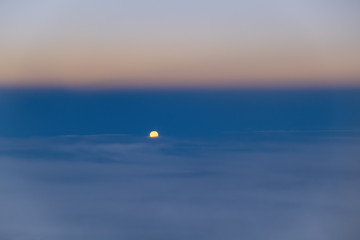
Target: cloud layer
[{"x": 122, "y": 187}]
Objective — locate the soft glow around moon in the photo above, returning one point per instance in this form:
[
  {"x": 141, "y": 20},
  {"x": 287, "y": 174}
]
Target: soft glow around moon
[{"x": 154, "y": 134}]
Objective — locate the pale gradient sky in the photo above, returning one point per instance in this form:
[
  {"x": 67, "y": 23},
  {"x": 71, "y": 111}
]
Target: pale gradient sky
[{"x": 179, "y": 43}]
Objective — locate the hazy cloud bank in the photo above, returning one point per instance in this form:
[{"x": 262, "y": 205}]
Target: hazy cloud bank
[{"x": 121, "y": 187}]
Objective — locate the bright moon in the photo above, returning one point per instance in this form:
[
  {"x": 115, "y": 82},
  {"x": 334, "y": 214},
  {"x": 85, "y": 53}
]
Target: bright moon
[{"x": 154, "y": 134}]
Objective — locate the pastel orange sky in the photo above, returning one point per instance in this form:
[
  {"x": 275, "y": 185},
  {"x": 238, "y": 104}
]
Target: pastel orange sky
[{"x": 179, "y": 43}]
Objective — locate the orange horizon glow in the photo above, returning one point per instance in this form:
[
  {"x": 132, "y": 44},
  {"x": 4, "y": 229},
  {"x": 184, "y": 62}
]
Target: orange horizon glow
[{"x": 183, "y": 43}]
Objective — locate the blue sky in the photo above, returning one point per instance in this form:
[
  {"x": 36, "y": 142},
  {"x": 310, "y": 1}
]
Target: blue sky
[{"x": 185, "y": 113}]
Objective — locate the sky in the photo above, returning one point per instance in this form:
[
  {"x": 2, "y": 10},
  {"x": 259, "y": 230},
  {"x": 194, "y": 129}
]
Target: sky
[
  {"x": 160, "y": 43},
  {"x": 256, "y": 104},
  {"x": 177, "y": 113}
]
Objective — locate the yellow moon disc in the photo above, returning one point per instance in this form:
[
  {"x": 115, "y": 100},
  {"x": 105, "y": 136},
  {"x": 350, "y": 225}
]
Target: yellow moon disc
[{"x": 154, "y": 134}]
